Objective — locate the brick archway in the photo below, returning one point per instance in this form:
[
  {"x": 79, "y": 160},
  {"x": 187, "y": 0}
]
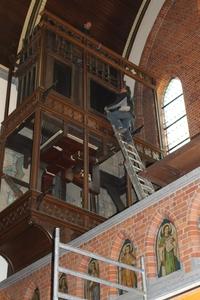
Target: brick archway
[
  {"x": 116, "y": 247},
  {"x": 193, "y": 224},
  {"x": 4, "y": 296},
  {"x": 31, "y": 286},
  {"x": 150, "y": 239}
]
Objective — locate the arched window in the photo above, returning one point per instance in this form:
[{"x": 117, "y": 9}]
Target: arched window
[
  {"x": 175, "y": 118},
  {"x": 3, "y": 268}
]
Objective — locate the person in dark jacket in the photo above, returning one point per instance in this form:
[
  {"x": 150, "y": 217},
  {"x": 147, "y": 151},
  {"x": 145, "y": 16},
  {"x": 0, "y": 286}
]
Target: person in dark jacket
[{"x": 120, "y": 113}]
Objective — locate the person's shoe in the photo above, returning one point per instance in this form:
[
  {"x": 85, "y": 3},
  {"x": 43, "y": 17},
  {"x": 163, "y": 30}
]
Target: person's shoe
[{"x": 137, "y": 130}]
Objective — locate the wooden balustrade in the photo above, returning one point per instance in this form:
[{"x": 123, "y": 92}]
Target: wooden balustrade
[{"x": 91, "y": 46}]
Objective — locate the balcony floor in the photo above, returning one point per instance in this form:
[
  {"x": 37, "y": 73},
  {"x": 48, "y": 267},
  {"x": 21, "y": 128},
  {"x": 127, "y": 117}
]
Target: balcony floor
[{"x": 175, "y": 165}]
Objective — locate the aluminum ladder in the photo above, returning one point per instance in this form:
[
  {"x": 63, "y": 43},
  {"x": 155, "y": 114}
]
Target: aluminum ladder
[{"x": 134, "y": 165}]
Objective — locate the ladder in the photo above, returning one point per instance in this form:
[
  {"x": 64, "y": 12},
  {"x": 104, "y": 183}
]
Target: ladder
[{"x": 134, "y": 165}]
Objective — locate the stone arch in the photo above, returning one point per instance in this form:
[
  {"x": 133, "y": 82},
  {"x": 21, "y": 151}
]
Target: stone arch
[{"x": 151, "y": 236}]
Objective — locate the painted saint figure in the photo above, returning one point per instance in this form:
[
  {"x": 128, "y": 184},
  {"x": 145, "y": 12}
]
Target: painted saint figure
[
  {"x": 93, "y": 288},
  {"x": 62, "y": 284},
  {"x": 36, "y": 295},
  {"x": 127, "y": 256},
  {"x": 167, "y": 250}
]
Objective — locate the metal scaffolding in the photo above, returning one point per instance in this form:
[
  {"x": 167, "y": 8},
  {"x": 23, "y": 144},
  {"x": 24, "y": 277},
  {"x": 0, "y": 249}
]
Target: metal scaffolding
[{"x": 57, "y": 268}]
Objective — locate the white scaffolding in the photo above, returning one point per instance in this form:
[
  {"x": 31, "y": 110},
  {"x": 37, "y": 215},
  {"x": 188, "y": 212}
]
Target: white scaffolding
[{"x": 57, "y": 268}]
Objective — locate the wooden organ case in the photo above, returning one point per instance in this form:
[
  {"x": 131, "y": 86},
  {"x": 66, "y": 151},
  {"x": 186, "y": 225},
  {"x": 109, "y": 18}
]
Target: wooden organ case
[{"x": 56, "y": 141}]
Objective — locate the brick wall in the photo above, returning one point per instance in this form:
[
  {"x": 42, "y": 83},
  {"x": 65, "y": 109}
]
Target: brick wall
[
  {"x": 172, "y": 50},
  {"x": 181, "y": 206}
]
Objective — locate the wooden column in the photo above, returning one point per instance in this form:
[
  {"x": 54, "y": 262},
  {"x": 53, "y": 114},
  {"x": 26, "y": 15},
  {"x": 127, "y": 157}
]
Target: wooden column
[
  {"x": 129, "y": 193},
  {"x": 41, "y": 62},
  {"x": 2, "y": 151},
  {"x": 85, "y": 143},
  {"x": 7, "y": 104},
  {"x": 36, "y": 151},
  {"x": 158, "y": 119}
]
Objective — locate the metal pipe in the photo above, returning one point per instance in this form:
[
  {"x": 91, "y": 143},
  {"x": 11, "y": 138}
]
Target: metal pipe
[
  {"x": 69, "y": 297},
  {"x": 99, "y": 257},
  {"x": 56, "y": 264},
  {"x": 85, "y": 142},
  {"x": 98, "y": 280},
  {"x": 144, "y": 280}
]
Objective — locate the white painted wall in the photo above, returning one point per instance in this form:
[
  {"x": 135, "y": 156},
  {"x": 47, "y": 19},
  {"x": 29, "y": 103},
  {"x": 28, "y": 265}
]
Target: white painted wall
[
  {"x": 3, "y": 86},
  {"x": 144, "y": 30},
  {"x": 3, "y": 268},
  {"x": 142, "y": 35},
  {"x": 3, "y": 89}
]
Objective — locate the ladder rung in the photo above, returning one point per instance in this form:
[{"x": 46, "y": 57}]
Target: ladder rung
[
  {"x": 134, "y": 164},
  {"x": 131, "y": 152},
  {"x": 137, "y": 161},
  {"x": 147, "y": 187},
  {"x": 136, "y": 168},
  {"x": 126, "y": 145}
]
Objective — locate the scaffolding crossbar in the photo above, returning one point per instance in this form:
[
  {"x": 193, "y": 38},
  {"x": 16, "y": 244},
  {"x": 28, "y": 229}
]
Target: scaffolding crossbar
[{"x": 57, "y": 268}]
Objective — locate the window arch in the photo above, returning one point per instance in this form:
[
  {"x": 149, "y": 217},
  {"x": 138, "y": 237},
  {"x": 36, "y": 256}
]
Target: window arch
[
  {"x": 3, "y": 268},
  {"x": 175, "y": 118}
]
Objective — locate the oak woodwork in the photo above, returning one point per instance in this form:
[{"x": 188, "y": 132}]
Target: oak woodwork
[{"x": 26, "y": 228}]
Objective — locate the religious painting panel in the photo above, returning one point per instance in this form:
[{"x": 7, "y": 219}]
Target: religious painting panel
[
  {"x": 36, "y": 294},
  {"x": 127, "y": 256},
  {"x": 62, "y": 284},
  {"x": 92, "y": 289},
  {"x": 167, "y": 249},
  {"x": 15, "y": 179}
]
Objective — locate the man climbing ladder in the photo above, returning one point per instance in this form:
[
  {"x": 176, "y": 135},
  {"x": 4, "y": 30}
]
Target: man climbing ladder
[
  {"x": 120, "y": 113},
  {"x": 122, "y": 119}
]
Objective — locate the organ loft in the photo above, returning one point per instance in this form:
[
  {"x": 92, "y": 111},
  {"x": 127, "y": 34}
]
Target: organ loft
[
  {"x": 63, "y": 165},
  {"x": 60, "y": 162}
]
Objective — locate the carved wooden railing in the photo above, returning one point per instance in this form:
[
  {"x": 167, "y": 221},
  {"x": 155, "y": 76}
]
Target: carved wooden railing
[
  {"x": 91, "y": 46},
  {"x": 30, "y": 52},
  {"x": 148, "y": 150},
  {"x": 64, "y": 41},
  {"x": 27, "y": 208},
  {"x": 22, "y": 112}
]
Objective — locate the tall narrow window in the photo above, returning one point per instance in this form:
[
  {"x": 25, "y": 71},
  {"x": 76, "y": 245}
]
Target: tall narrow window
[{"x": 175, "y": 118}]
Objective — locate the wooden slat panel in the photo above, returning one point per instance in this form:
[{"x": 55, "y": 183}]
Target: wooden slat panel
[{"x": 111, "y": 19}]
